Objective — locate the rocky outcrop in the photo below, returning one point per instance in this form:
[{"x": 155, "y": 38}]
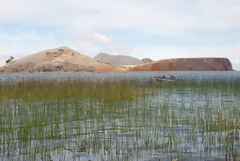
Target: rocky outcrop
[
  {"x": 120, "y": 59},
  {"x": 147, "y": 60},
  {"x": 187, "y": 64}
]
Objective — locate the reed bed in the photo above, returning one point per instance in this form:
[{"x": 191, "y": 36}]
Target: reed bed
[{"x": 120, "y": 120}]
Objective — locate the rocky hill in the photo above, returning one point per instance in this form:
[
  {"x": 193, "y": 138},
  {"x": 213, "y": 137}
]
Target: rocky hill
[
  {"x": 120, "y": 59},
  {"x": 186, "y": 64},
  {"x": 62, "y": 59}
]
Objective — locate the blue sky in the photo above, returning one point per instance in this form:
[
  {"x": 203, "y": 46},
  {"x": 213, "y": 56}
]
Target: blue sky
[{"x": 157, "y": 29}]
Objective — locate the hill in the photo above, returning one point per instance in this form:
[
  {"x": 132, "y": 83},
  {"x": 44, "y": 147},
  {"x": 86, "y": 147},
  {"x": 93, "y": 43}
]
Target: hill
[
  {"x": 120, "y": 59},
  {"x": 186, "y": 64},
  {"x": 62, "y": 59}
]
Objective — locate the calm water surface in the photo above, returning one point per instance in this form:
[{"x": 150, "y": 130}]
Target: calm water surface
[{"x": 120, "y": 117}]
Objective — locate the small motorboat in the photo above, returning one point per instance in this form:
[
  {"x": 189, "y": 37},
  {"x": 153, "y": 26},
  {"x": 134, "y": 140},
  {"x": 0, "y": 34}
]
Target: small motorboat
[{"x": 164, "y": 78}]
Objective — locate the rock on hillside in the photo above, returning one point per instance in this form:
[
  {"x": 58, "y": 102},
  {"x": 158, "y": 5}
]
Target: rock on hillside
[
  {"x": 147, "y": 60},
  {"x": 187, "y": 64},
  {"x": 62, "y": 59},
  {"x": 120, "y": 59}
]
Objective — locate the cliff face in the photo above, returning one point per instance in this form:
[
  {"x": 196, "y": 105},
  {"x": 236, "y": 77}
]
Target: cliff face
[
  {"x": 120, "y": 59},
  {"x": 61, "y": 59},
  {"x": 187, "y": 64}
]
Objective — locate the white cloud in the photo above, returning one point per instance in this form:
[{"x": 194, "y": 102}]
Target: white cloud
[
  {"x": 90, "y": 39},
  {"x": 102, "y": 38},
  {"x": 160, "y": 16}
]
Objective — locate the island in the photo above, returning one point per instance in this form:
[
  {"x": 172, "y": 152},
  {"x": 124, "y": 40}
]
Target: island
[{"x": 65, "y": 59}]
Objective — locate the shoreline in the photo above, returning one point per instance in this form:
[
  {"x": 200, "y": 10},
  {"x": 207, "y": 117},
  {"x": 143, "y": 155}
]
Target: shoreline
[{"x": 2, "y": 73}]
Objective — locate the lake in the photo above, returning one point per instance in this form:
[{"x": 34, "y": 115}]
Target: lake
[{"x": 125, "y": 116}]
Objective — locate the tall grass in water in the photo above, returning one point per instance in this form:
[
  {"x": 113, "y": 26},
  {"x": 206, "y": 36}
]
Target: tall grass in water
[
  {"x": 110, "y": 89},
  {"x": 119, "y": 120}
]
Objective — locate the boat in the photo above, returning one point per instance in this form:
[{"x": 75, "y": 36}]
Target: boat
[{"x": 163, "y": 78}]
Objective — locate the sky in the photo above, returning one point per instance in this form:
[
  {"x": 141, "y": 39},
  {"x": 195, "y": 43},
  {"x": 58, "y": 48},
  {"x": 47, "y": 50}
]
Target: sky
[{"x": 157, "y": 29}]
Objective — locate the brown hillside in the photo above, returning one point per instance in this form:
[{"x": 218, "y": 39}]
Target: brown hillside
[
  {"x": 62, "y": 59},
  {"x": 187, "y": 64}
]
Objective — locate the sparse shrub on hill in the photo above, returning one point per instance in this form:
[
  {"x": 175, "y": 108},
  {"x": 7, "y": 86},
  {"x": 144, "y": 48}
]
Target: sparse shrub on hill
[{"x": 10, "y": 59}]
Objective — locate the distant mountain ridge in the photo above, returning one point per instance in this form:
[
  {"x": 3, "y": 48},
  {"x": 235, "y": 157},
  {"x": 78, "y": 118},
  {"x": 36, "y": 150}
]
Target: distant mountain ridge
[{"x": 120, "y": 59}]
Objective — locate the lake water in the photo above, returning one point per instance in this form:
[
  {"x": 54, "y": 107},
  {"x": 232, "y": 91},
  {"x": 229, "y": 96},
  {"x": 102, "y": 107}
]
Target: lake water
[
  {"x": 128, "y": 116},
  {"x": 149, "y": 75}
]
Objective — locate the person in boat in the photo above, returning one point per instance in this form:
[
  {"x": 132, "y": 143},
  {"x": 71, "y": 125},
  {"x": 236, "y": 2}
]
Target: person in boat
[
  {"x": 172, "y": 77},
  {"x": 163, "y": 77}
]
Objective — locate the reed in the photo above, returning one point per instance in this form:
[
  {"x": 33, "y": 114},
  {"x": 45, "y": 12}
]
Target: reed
[{"x": 124, "y": 119}]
